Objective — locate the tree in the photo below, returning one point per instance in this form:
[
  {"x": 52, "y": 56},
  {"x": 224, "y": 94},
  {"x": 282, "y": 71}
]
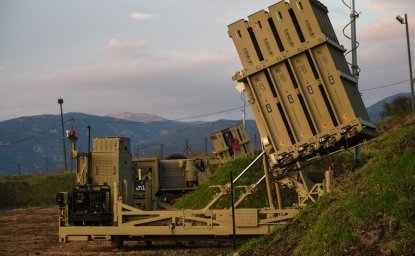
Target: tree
[{"x": 398, "y": 107}]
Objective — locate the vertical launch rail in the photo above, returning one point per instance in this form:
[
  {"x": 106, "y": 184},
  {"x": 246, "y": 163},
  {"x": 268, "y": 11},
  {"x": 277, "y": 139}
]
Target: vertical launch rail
[{"x": 303, "y": 96}]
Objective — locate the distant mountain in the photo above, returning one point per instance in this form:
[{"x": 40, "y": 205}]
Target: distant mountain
[
  {"x": 376, "y": 109},
  {"x": 34, "y": 144},
  {"x": 139, "y": 117}
]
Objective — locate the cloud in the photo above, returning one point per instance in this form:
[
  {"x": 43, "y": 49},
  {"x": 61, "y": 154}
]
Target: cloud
[
  {"x": 116, "y": 46},
  {"x": 388, "y": 5},
  {"x": 142, "y": 16},
  {"x": 384, "y": 29},
  {"x": 2, "y": 68},
  {"x": 177, "y": 86}
]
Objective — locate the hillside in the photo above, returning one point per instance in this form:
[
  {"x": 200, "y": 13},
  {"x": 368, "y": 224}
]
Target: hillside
[
  {"x": 31, "y": 145},
  {"x": 370, "y": 212},
  {"x": 376, "y": 109},
  {"x": 139, "y": 117},
  {"x": 33, "y": 191},
  {"x": 199, "y": 198}
]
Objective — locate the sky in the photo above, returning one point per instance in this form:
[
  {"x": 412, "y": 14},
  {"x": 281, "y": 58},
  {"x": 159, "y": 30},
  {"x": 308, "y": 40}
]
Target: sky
[{"x": 170, "y": 58}]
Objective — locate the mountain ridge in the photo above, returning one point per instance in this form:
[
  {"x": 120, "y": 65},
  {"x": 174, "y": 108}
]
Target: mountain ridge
[
  {"x": 139, "y": 117},
  {"x": 33, "y": 144},
  {"x": 30, "y": 145},
  {"x": 375, "y": 110}
]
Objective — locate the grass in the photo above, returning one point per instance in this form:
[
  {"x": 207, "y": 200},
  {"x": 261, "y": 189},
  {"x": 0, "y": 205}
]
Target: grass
[
  {"x": 33, "y": 191},
  {"x": 357, "y": 217},
  {"x": 204, "y": 193},
  {"x": 330, "y": 234}
]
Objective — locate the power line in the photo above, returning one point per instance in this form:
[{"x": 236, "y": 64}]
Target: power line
[
  {"x": 385, "y": 86},
  {"x": 107, "y": 122},
  {"x": 204, "y": 115},
  {"x": 177, "y": 119},
  {"x": 223, "y": 111},
  {"x": 32, "y": 136}
]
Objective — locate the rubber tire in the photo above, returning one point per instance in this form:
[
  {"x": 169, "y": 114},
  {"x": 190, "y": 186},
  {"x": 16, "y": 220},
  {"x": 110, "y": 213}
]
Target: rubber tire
[{"x": 117, "y": 242}]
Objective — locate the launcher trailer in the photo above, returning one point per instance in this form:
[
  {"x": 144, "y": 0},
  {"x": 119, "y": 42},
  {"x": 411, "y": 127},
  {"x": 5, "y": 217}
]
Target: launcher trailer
[{"x": 306, "y": 105}]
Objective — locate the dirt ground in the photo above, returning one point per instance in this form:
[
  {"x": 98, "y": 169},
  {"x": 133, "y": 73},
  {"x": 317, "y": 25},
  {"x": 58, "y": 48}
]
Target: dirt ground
[{"x": 35, "y": 232}]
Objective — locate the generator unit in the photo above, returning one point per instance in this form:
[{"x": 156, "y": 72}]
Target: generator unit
[
  {"x": 102, "y": 175},
  {"x": 303, "y": 96},
  {"x": 109, "y": 173},
  {"x": 161, "y": 182}
]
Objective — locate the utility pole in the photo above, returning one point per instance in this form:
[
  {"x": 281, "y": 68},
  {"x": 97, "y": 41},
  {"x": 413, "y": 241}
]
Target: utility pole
[
  {"x": 89, "y": 152},
  {"x": 70, "y": 158},
  {"x": 60, "y": 102},
  {"x": 187, "y": 149},
  {"x": 233, "y": 212},
  {"x": 206, "y": 146},
  {"x": 355, "y": 68},
  {"x": 411, "y": 80},
  {"x": 89, "y": 139},
  {"x": 161, "y": 151},
  {"x": 243, "y": 109}
]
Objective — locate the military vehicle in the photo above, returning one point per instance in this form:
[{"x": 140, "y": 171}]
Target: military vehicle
[
  {"x": 158, "y": 183},
  {"x": 230, "y": 143},
  {"x": 306, "y": 105}
]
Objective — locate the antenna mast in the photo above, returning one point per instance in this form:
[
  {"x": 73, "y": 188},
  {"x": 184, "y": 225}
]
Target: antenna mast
[{"x": 355, "y": 68}]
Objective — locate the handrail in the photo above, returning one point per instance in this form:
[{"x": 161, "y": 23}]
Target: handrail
[{"x": 249, "y": 166}]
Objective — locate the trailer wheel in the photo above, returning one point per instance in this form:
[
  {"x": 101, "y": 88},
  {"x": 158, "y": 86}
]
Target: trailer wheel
[
  {"x": 192, "y": 184},
  {"x": 117, "y": 242}
]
